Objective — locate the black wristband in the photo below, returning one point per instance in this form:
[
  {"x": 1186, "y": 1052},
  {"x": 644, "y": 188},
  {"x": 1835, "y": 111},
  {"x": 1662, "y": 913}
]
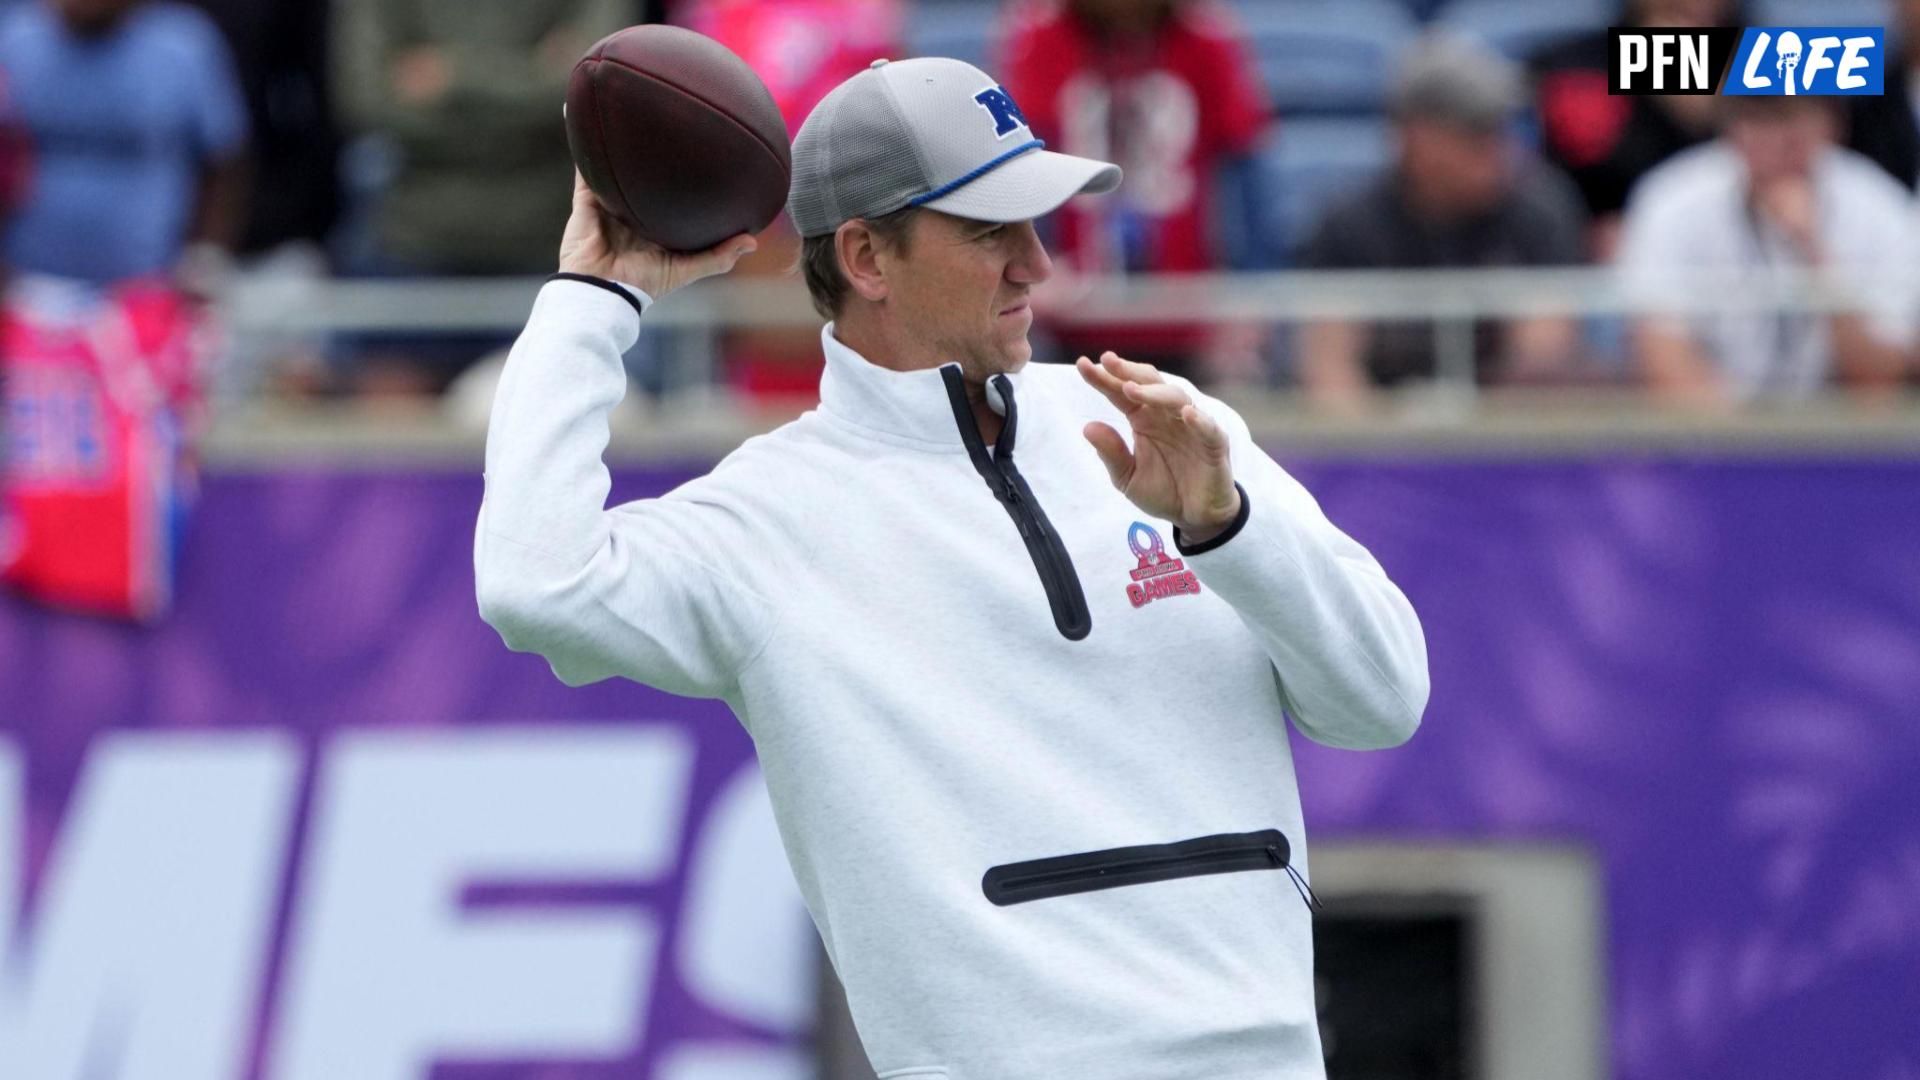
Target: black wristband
[
  {"x": 589, "y": 279},
  {"x": 1233, "y": 527}
]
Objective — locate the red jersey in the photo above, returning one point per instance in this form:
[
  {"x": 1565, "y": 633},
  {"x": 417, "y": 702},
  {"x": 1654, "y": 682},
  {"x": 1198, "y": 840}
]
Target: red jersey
[
  {"x": 102, "y": 392},
  {"x": 1168, "y": 108}
]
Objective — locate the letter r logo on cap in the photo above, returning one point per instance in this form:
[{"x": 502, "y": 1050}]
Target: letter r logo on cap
[{"x": 1006, "y": 115}]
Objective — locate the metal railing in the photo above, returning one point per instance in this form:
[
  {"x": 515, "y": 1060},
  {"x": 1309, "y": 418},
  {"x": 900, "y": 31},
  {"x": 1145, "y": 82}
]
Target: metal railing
[{"x": 1454, "y": 408}]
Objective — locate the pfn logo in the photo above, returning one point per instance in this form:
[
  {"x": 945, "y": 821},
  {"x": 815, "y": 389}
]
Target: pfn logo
[{"x": 1823, "y": 60}]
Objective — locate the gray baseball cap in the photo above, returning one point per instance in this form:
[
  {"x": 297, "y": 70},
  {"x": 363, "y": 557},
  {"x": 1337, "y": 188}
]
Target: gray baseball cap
[
  {"x": 1457, "y": 81},
  {"x": 928, "y": 132}
]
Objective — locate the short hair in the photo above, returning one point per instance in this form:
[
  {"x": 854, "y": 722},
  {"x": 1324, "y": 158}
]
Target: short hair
[{"x": 827, "y": 284}]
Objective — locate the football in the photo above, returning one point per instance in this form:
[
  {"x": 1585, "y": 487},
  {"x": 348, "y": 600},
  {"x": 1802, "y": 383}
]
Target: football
[{"x": 678, "y": 137}]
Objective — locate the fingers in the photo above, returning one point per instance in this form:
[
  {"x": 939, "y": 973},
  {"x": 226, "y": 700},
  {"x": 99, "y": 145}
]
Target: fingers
[
  {"x": 719, "y": 258},
  {"x": 1211, "y": 434},
  {"x": 1113, "y": 375},
  {"x": 1112, "y": 450},
  {"x": 1127, "y": 369},
  {"x": 1106, "y": 382},
  {"x": 1165, "y": 395}
]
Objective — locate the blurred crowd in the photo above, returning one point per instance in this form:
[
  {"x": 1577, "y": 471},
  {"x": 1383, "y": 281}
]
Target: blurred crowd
[{"x": 190, "y": 141}]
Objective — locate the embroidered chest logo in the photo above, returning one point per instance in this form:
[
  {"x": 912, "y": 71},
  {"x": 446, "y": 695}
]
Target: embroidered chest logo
[{"x": 1158, "y": 575}]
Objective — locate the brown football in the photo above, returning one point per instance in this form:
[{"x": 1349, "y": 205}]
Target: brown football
[{"x": 678, "y": 137}]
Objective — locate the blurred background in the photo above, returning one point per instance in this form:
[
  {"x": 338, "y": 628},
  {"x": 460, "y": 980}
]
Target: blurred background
[{"x": 1622, "y": 390}]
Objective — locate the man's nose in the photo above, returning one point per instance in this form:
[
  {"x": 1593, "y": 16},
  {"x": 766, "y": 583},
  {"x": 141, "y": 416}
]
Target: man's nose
[{"x": 1030, "y": 264}]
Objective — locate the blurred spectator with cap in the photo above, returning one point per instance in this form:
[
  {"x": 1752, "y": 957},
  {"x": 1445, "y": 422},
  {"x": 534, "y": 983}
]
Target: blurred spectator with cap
[
  {"x": 1606, "y": 142},
  {"x": 1167, "y": 89},
  {"x": 1886, "y": 126},
  {"x": 136, "y": 128},
  {"x": 1772, "y": 205},
  {"x": 1461, "y": 193}
]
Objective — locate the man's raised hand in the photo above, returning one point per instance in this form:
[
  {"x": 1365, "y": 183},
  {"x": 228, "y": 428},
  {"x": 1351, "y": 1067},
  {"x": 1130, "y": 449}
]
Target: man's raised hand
[
  {"x": 597, "y": 244},
  {"x": 1179, "y": 468}
]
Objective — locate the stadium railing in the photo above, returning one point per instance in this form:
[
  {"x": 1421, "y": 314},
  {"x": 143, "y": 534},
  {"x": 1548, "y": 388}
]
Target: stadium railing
[{"x": 1452, "y": 408}]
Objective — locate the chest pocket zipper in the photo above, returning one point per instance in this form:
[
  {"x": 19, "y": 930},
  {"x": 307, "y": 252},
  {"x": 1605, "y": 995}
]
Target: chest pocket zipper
[{"x": 1044, "y": 546}]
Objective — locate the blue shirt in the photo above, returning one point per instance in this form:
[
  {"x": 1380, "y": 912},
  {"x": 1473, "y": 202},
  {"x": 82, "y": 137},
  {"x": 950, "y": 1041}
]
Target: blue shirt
[{"x": 120, "y": 128}]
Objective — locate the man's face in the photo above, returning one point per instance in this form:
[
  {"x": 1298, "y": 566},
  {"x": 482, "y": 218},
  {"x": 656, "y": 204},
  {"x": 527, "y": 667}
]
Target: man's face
[
  {"x": 1779, "y": 140},
  {"x": 1457, "y": 170},
  {"x": 965, "y": 287}
]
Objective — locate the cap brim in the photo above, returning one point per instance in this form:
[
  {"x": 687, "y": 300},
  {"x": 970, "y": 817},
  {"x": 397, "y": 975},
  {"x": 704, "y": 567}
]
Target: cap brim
[{"x": 1028, "y": 186}]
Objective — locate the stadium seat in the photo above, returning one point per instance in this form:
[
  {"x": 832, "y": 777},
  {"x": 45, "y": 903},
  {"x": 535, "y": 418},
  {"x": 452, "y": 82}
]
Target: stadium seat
[
  {"x": 961, "y": 29},
  {"x": 1326, "y": 55},
  {"x": 1822, "y": 13},
  {"x": 1520, "y": 28},
  {"x": 1312, "y": 159}
]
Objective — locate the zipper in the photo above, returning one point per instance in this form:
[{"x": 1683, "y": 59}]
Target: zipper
[
  {"x": 1065, "y": 597},
  {"x": 1062, "y": 875}
]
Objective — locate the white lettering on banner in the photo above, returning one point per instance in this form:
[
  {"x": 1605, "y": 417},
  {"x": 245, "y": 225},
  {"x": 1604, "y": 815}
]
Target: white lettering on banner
[
  {"x": 387, "y": 974},
  {"x": 1752, "y": 77},
  {"x": 147, "y": 943},
  {"x": 730, "y": 1061},
  {"x": 746, "y": 946},
  {"x": 1633, "y": 57},
  {"x": 1851, "y": 61}
]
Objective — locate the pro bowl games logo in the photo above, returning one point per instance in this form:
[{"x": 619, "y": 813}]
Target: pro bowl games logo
[{"x": 1157, "y": 573}]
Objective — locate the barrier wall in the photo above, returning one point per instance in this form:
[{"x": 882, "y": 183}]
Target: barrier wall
[{"x": 322, "y": 824}]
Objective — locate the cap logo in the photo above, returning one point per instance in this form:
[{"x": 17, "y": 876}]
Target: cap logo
[{"x": 999, "y": 105}]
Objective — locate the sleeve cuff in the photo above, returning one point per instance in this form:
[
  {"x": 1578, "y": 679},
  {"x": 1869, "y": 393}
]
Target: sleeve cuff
[
  {"x": 1233, "y": 528},
  {"x": 636, "y": 298}
]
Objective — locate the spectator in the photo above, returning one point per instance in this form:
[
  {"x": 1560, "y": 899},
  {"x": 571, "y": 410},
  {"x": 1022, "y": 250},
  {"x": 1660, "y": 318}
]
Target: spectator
[
  {"x": 280, "y": 49},
  {"x": 137, "y": 132},
  {"x": 16, "y": 157},
  {"x": 1606, "y": 142},
  {"x": 1773, "y": 197},
  {"x": 1886, "y": 127},
  {"x": 1461, "y": 193},
  {"x": 1168, "y": 90},
  {"x": 469, "y": 93},
  {"x": 801, "y": 49}
]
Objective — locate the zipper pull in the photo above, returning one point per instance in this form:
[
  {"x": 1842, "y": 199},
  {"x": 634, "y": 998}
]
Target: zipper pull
[
  {"x": 1299, "y": 883},
  {"x": 1014, "y": 505}
]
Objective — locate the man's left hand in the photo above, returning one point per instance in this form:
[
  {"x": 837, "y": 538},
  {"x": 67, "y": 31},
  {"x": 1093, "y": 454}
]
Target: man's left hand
[{"x": 1179, "y": 467}]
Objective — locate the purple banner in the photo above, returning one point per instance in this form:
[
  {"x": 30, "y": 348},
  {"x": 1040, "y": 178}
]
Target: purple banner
[{"x": 324, "y": 799}]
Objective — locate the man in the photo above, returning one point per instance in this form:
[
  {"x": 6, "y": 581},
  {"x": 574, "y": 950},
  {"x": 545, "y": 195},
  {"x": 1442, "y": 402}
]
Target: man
[
  {"x": 1461, "y": 194},
  {"x": 1771, "y": 201},
  {"x": 1606, "y": 142},
  {"x": 137, "y": 130},
  {"x": 1169, "y": 90},
  {"x": 464, "y": 93},
  {"x": 465, "y": 90},
  {"x": 989, "y": 697}
]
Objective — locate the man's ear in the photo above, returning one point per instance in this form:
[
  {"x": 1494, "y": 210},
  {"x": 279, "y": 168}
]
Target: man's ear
[{"x": 860, "y": 260}]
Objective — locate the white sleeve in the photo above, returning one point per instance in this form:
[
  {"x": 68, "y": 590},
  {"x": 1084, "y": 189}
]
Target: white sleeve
[
  {"x": 1346, "y": 644},
  {"x": 651, "y": 590}
]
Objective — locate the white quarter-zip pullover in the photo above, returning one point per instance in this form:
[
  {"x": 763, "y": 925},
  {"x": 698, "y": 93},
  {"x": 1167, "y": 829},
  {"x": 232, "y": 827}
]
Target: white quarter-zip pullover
[{"x": 974, "y": 676}]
